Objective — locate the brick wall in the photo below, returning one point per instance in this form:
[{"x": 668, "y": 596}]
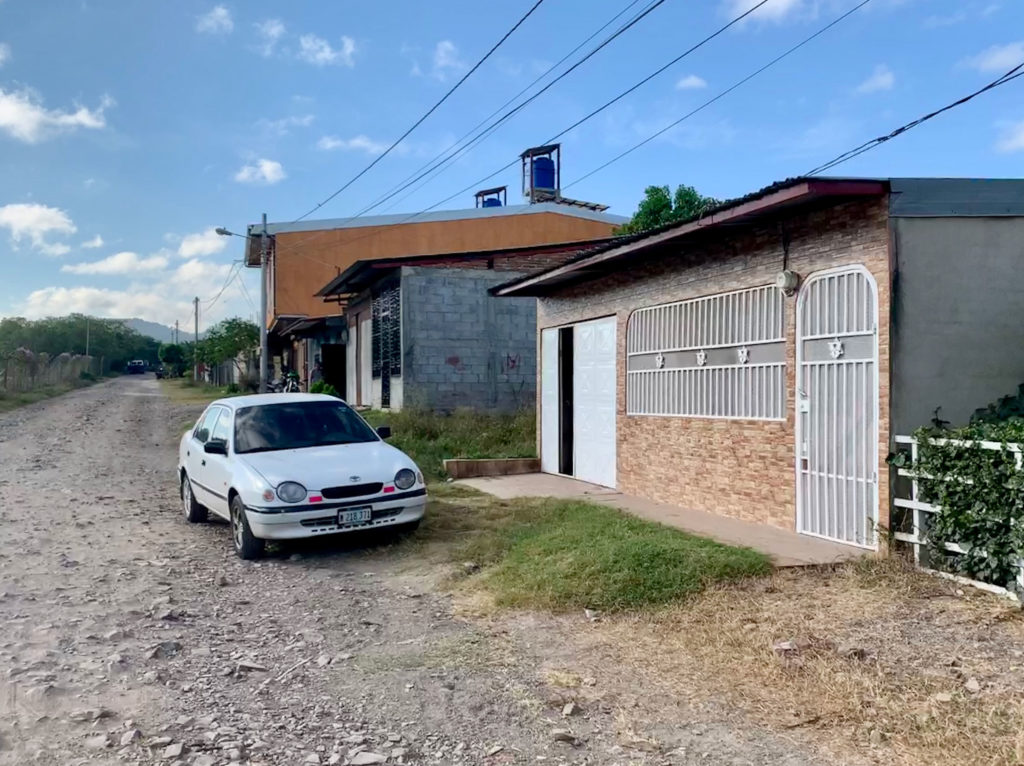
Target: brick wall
[
  {"x": 461, "y": 346},
  {"x": 744, "y": 469}
]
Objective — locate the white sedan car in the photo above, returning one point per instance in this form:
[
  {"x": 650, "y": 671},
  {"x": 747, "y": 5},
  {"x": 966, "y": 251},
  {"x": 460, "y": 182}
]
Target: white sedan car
[{"x": 287, "y": 466}]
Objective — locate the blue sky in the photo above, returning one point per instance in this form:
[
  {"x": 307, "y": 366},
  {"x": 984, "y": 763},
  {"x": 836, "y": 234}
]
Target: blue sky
[{"x": 128, "y": 130}]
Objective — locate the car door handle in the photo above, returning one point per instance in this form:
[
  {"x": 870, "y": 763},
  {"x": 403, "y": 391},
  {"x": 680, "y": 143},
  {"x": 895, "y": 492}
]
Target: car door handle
[{"x": 203, "y": 463}]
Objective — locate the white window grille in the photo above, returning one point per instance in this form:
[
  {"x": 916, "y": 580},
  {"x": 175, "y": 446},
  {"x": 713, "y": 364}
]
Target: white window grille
[{"x": 720, "y": 356}]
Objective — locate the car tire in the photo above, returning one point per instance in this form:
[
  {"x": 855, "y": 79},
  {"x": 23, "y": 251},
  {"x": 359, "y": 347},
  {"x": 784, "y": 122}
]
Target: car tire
[
  {"x": 194, "y": 512},
  {"x": 247, "y": 546}
]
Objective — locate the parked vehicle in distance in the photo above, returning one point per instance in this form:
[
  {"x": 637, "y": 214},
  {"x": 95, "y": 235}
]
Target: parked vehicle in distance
[
  {"x": 289, "y": 466},
  {"x": 136, "y": 367}
]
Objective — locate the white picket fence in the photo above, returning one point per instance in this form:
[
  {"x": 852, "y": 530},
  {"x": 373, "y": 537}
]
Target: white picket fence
[{"x": 916, "y": 538}]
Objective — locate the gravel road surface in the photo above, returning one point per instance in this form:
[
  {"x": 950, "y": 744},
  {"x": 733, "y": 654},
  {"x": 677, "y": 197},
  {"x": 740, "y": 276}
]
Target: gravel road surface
[{"x": 129, "y": 636}]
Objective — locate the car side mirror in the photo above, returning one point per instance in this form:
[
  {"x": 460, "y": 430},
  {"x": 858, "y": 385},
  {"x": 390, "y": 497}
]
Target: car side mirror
[
  {"x": 216, "y": 447},
  {"x": 384, "y": 432}
]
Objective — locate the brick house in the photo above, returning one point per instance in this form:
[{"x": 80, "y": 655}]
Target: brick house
[
  {"x": 305, "y": 255},
  {"x": 424, "y": 331},
  {"x": 755, "y": 362}
]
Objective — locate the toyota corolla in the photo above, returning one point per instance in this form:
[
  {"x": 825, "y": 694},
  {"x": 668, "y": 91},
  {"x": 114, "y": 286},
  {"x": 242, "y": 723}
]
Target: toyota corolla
[{"x": 287, "y": 466}]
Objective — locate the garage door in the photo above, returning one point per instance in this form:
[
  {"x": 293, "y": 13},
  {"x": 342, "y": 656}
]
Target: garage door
[{"x": 594, "y": 401}]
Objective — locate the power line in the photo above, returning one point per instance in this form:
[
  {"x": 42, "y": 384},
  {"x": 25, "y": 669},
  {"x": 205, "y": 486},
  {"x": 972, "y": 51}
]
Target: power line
[
  {"x": 434, "y": 165},
  {"x": 721, "y": 95},
  {"x": 232, "y": 273},
  {"x": 579, "y": 122},
  {"x": 419, "y": 122},
  {"x": 867, "y": 146},
  {"x": 490, "y": 129}
]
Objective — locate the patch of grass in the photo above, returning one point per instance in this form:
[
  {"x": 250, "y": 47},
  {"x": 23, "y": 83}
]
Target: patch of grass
[
  {"x": 430, "y": 438},
  {"x": 563, "y": 555},
  {"x": 187, "y": 391},
  {"x": 12, "y": 400},
  {"x": 877, "y": 664}
]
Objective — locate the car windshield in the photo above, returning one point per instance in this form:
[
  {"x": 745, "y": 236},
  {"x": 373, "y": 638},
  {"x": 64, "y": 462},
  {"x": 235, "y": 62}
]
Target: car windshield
[{"x": 298, "y": 425}]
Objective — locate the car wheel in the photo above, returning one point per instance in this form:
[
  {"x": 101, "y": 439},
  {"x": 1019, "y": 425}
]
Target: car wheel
[
  {"x": 194, "y": 512},
  {"x": 246, "y": 546}
]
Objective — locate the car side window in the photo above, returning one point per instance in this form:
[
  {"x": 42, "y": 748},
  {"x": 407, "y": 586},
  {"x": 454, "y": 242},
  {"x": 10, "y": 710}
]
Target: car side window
[
  {"x": 223, "y": 427},
  {"x": 205, "y": 426}
]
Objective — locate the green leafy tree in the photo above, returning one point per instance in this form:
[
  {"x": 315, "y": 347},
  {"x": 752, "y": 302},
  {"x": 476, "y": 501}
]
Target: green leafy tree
[
  {"x": 108, "y": 339},
  {"x": 173, "y": 357},
  {"x": 660, "y": 206},
  {"x": 229, "y": 340}
]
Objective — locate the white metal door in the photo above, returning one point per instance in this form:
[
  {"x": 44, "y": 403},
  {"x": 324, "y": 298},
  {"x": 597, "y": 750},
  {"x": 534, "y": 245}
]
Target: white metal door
[
  {"x": 837, "y": 407},
  {"x": 594, "y": 401},
  {"x": 549, "y": 431}
]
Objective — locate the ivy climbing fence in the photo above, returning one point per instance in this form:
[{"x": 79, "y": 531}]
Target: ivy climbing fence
[
  {"x": 959, "y": 503},
  {"x": 25, "y": 371}
]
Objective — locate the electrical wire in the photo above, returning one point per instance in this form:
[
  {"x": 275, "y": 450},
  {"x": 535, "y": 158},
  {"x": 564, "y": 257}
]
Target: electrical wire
[
  {"x": 420, "y": 121},
  {"x": 867, "y": 146},
  {"x": 721, "y": 95},
  {"x": 446, "y": 158},
  {"x": 491, "y": 128},
  {"x": 576, "y": 124}
]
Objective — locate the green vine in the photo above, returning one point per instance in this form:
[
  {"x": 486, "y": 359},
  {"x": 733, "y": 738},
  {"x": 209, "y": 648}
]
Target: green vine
[{"x": 980, "y": 494}]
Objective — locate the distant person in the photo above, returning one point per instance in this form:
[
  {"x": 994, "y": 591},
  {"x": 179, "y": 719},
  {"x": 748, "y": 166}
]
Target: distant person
[{"x": 317, "y": 375}]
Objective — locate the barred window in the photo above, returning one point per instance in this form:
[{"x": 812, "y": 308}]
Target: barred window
[
  {"x": 720, "y": 356},
  {"x": 386, "y": 337}
]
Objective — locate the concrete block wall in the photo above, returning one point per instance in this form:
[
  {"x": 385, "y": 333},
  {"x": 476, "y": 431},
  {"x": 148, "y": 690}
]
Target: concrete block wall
[
  {"x": 740, "y": 468},
  {"x": 461, "y": 346}
]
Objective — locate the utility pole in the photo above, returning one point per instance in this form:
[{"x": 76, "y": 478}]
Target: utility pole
[
  {"x": 175, "y": 332},
  {"x": 264, "y": 346},
  {"x": 87, "y": 336},
  {"x": 195, "y": 347}
]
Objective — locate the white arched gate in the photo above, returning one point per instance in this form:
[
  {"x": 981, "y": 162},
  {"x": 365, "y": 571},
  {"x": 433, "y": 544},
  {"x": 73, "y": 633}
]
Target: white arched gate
[{"x": 837, "y": 407}]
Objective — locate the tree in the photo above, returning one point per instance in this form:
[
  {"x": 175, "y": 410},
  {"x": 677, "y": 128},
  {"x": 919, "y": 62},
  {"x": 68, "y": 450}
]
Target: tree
[
  {"x": 108, "y": 339},
  {"x": 173, "y": 357},
  {"x": 659, "y": 207},
  {"x": 228, "y": 340}
]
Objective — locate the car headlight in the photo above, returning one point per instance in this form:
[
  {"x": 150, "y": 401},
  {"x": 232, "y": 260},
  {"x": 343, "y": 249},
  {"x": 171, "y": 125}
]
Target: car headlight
[
  {"x": 405, "y": 478},
  {"x": 291, "y": 492}
]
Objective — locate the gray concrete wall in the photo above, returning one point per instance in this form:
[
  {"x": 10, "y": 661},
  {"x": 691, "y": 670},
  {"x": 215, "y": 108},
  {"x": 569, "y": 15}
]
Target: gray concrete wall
[
  {"x": 463, "y": 347},
  {"x": 957, "y": 316}
]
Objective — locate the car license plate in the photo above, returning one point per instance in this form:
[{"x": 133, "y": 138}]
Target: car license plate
[{"x": 354, "y": 516}]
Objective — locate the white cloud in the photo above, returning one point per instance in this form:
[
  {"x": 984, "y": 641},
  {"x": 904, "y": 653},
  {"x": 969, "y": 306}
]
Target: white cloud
[
  {"x": 262, "y": 171},
  {"x": 691, "y": 82},
  {"x": 1012, "y": 139},
  {"x": 119, "y": 263},
  {"x": 35, "y": 223},
  {"x": 270, "y": 33},
  {"x": 998, "y": 58},
  {"x": 217, "y": 22},
  {"x": 282, "y": 125},
  {"x": 207, "y": 242},
  {"x": 881, "y": 79},
  {"x": 152, "y": 304},
  {"x": 358, "y": 143},
  {"x": 92, "y": 244},
  {"x": 5, "y": 53},
  {"x": 773, "y": 10},
  {"x": 446, "y": 59},
  {"x": 200, "y": 277},
  {"x": 316, "y": 50},
  {"x": 23, "y": 117}
]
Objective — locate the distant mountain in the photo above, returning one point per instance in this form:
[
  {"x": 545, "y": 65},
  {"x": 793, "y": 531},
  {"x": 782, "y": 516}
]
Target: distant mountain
[{"x": 157, "y": 331}]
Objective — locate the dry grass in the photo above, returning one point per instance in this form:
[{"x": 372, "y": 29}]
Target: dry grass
[
  {"x": 185, "y": 391},
  {"x": 882, "y": 664}
]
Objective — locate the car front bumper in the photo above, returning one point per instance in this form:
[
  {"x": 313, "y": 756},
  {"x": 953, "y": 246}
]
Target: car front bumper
[{"x": 315, "y": 521}]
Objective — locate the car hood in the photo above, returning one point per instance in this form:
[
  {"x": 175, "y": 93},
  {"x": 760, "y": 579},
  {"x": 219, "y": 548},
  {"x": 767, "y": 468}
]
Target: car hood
[{"x": 336, "y": 465}]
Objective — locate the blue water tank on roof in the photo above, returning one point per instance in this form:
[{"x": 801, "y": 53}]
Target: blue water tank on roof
[
  {"x": 492, "y": 202},
  {"x": 544, "y": 173}
]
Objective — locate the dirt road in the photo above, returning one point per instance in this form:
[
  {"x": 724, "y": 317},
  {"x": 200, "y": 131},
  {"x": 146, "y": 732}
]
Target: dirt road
[{"x": 127, "y": 635}]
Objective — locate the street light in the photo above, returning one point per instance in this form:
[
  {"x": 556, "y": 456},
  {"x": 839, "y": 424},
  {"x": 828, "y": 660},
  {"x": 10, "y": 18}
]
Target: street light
[{"x": 264, "y": 348}]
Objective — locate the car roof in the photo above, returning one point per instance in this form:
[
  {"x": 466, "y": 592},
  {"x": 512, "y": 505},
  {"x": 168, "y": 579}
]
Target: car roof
[{"x": 262, "y": 400}]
